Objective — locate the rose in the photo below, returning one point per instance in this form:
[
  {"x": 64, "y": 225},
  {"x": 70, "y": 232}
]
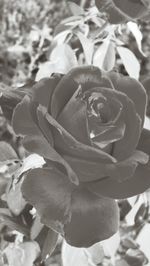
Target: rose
[
  {"x": 87, "y": 127},
  {"x": 122, "y": 11}
]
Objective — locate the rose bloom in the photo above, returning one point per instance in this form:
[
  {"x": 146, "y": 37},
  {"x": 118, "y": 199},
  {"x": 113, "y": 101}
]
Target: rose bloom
[
  {"x": 88, "y": 128},
  {"x": 120, "y": 11}
]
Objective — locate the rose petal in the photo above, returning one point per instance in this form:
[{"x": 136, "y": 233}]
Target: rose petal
[
  {"x": 103, "y": 113},
  {"x": 86, "y": 76},
  {"x": 39, "y": 145},
  {"x": 133, "y": 9},
  {"x": 93, "y": 219},
  {"x": 63, "y": 92},
  {"x": 42, "y": 90},
  {"x": 137, "y": 184},
  {"x": 74, "y": 118},
  {"x": 134, "y": 90},
  {"x": 123, "y": 148},
  {"x": 144, "y": 142},
  {"x": 146, "y": 83},
  {"x": 22, "y": 121},
  {"x": 49, "y": 191},
  {"x": 45, "y": 130},
  {"x": 64, "y": 142},
  {"x": 115, "y": 15},
  {"x": 113, "y": 134},
  {"x": 88, "y": 171}
]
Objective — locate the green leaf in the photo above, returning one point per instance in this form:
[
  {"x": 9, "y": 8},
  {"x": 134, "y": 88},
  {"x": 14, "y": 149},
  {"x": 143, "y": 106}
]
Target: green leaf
[
  {"x": 134, "y": 28},
  {"x": 143, "y": 240},
  {"x": 65, "y": 57},
  {"x": 62, "y": 59},
  {"x": 111, "y": 245},
  {"x": 75, "y": 9},
  {"x": 88, "y": 47},
  {"x": 86, "y": 257},
  {"x": 3, "y": 185},
  {"x": 6, "y": 152},
  {"x": 62, "y": 28},
  {"x": 14, "y": 224},
  {"x": 22, "y": 254},
  {"x": 121, "y": 262},
  {"x": 36, "y": 228},
  {"x": 15, "y": 200},
  {"x": 129, "y": 61},
  {"x": 105, "y": 56}
]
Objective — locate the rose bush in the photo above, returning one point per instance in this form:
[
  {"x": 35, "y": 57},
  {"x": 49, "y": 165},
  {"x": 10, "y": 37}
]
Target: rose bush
[
  {"x": 122, "y": 11},
  {"x": 88, "y": 128}
]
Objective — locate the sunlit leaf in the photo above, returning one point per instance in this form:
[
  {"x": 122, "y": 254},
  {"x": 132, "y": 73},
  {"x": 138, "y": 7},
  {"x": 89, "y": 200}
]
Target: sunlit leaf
[
  {"x": 36, "y": 227},
  {"x": 129, "y": 61},
  {"x": 62, "y": 59},
  {"x": 6, "y": 152},
  {"x": 133, "y": 27},
  {"x": 111, "y": 245},
  {"x": 88, "y": 47},
  {"x": 105, "y": 56},
  {"x": 130, "y": 217},
  {"x": 30, "y": 162},
  {"x": 121, "y": 262},
  {"x": 64, "y": 56},
  {"x": 15, "y": 200},
  {"x": 147, "y": 123},
  {"x": 23, "y": 254},
  {"x": 75, "y": 9},
  {"x": 143, "y": 240},
  {"x": 61, "y": 28},
  {"x": 82, "y": 256}
]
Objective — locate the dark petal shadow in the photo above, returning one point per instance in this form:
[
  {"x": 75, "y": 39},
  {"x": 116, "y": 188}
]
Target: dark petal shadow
[
  {"x": 65, "y": 143},
  {"x": 86, "y": 76},
  {"x": 74, "y": 118}
]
